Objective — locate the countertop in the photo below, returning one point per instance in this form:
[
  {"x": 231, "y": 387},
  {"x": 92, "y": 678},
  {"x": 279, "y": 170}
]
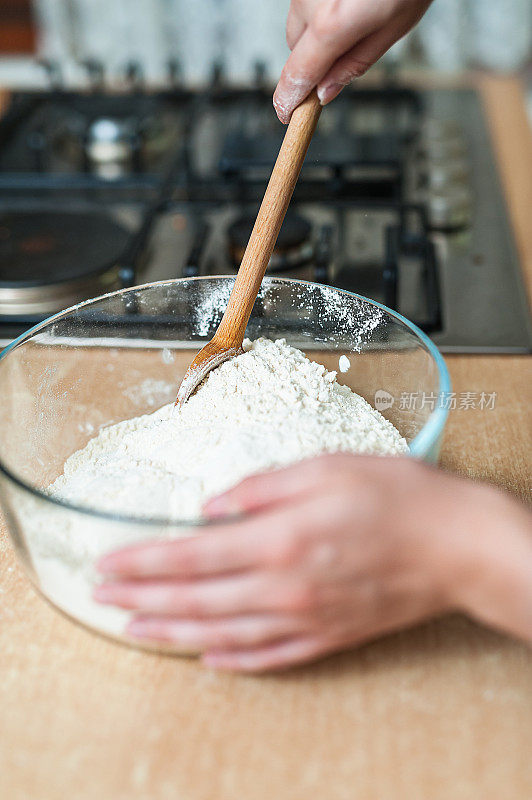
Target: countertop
[{"x": 440, "y": 711}]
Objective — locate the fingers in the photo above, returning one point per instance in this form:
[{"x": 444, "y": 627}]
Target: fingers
[
  {"x": 358, "y": 60},
  {"x": 225, "y": 549},
  {"x": 295, "y": 26},
  {"x": 275, "y": 656},
  {"x": 303, "y": 70},
  {"x": 268, "y": 489},
  {"x": 230, "y": 633},
  {"x": 299, "y": 14},
  {"x": 215, "y": 597},
  {"x": 266, "y": 542},
  {"x": 339, "y": 42},
  {"x": 249, "y": 593},
  {"x": 329, "y": 34},
  {"x": 353, "y": 64}
]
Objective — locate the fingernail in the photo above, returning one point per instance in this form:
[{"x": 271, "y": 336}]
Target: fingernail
[
  {"x": 138, "y": 628},
  {"x": 329, "y": 92},
  {"x": 103, "y": 593},
  {"x": 289, "y": 94},
  {"x": 107, "y": 563},
  {"x": 282, "y": 111},
  {"x": 222, "y": 506}
]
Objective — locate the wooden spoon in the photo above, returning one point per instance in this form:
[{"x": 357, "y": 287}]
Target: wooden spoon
[{"x": 227, "y": 341}]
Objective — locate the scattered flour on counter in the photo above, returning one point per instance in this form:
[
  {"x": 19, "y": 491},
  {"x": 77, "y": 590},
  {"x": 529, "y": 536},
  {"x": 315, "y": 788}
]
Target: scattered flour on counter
[{"x": 269, "y": 407}]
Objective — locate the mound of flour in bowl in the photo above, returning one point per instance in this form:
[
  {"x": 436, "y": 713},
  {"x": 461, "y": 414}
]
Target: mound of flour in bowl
[{"x": 269, "y": 407}]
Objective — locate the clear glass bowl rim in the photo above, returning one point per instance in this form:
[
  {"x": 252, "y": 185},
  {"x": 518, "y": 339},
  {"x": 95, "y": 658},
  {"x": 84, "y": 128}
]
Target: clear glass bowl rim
[{"x": 422, "y": 442}]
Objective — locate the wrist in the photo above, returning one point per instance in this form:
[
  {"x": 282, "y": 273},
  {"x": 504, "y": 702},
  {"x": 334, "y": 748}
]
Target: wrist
[{"x": 489, "y": 568}]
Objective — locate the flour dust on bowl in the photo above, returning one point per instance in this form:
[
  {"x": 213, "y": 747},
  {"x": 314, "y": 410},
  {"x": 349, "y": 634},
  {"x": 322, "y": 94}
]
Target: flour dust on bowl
[{"x": 66, "y": 385}]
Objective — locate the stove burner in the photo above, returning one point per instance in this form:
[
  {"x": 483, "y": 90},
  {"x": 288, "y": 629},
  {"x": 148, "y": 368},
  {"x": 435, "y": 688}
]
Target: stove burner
[
  {"x": 49, "y": 260},
  {"x": 294, "y": 246}
]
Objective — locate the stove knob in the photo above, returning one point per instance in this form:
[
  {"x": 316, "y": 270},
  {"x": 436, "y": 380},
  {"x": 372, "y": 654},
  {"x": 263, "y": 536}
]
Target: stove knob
[{"x": 450, "y": 208}]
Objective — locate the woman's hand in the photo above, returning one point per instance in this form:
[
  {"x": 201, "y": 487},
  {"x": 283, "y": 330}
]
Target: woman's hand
[
  {"x": 335, "y": 551},
  {"x": 334, "y": 41}
]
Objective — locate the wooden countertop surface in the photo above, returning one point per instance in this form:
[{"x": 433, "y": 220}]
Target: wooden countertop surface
[{"x": 441, "y": 711}]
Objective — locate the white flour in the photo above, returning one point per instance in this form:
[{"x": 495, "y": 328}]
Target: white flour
[
  {"x": 344, "y": 364},
  {"x": 269, "y": 407}
]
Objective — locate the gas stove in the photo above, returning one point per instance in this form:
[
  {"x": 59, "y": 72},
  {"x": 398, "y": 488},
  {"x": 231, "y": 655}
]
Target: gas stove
[{"x": 399, "y": 200}]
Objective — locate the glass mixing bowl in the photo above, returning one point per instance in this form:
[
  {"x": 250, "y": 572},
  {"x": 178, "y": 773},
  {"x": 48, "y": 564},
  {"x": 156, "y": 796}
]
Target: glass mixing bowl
[{"x": 123, "y": 354}]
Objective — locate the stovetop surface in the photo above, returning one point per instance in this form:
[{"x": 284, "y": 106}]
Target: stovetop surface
[{"x": 400, "y": 189}]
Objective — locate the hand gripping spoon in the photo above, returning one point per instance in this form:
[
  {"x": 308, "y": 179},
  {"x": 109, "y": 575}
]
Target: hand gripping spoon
[{"x": 227, "y": 341}]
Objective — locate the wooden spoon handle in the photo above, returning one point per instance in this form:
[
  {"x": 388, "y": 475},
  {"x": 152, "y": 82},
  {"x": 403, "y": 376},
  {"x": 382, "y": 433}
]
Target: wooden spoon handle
[{"x": 269, "y": 220}]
